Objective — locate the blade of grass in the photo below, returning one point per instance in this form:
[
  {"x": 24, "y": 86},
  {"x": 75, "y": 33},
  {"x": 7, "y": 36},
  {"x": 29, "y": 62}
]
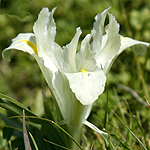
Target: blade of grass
[
  {"x": 141, "y": 129},
  {"x": 130, "y": 123},
  {"x": 138, "y": 124},
  {"x": 106, "y": 109},
  {"x": 57, "y": 144},
  {"x": 106, "y": 112},
  {"x": 130, "y": 131},
  {"x": 111, "y": 144},
  {"x": 33, "y": 140},
  {"x": 119, "y": 104},
  {"x": 125, "y": 147},
  {"x": 25, "y": 134}
]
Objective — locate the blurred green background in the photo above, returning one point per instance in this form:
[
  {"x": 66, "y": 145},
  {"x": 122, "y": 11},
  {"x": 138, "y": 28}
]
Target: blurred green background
[{"x": 21, "y": 78}]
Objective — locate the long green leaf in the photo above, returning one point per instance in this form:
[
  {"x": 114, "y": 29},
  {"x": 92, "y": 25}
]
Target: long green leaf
[
  {"x": 47, "y": 128},
  {"x": 13, "y": 106},
  {"x": 44, "y": 121}
]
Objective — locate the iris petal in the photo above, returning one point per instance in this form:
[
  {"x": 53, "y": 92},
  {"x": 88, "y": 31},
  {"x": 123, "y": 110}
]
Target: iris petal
[
  {"x": 112, "y": 45},
  {"x": 128, "y": 42},
  {"x": 18, "y": 43},
  {"x": 31, "y": 45},
  {"x": 87, "y": 87},
  {"x": 69, "y": 55},
  {"x": 98, "y": 29},
  {"x": 85, "y": 58}
]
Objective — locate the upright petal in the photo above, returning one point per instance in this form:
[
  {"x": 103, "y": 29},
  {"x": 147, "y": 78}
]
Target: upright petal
[
  {"x": 45, "y": 31},
  {"x": 87, "y": 86},
  {"x": 25, "y": 42},
  {"x": 98, "y": 30},
  {"x": 85, "y": 58},
  {"x": 69, "y": 54},
  {"x": 112, "y": 45}
]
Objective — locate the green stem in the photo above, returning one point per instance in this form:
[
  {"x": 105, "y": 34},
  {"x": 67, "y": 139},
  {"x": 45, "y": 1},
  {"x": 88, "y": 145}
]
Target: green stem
[{"x": 74, "y": 127}]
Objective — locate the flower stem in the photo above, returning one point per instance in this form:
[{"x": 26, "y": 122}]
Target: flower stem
[{"x": 74, "y": 127}]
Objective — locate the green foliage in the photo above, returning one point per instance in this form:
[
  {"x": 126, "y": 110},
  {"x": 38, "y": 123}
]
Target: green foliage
[
  {"x": 44, "y": 126},
  {"x": 19, "y": 80}
]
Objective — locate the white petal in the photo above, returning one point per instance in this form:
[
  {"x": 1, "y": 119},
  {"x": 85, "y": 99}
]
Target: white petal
[
  {"x": 69, "y": 62},
  {"x": 87, "y": 86},
  {"x": 112, "y": 45},
  {"x": 85, "y": 57},
  {"x": 137, "y": 46},
  {"x": 128, "y": 42},
  {"x": 69, "y": 106},
  {"x": 49, "y": 64},
  {"x": 45, "y": 30},
  {"x": 109, "y": 64},
  {"x": 98, "y": 30},
  {"x": 104, "y": 40},
  {"x": 103, "y": 134},
  {"x": 47, "y": 73},
  {"x": 25, "y": 42}
]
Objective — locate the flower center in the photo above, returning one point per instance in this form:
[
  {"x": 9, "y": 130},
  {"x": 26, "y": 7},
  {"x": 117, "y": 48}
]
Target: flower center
[
  {"x": 83, "y": 71},
  {"x": 33, "y": 46}
]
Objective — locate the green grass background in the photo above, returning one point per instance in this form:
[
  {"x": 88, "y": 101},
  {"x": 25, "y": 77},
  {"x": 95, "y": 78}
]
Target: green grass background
[{"x": 22, "y": 79}]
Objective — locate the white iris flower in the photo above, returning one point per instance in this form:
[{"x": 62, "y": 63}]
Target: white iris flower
[{"x": 76, "y": 79}]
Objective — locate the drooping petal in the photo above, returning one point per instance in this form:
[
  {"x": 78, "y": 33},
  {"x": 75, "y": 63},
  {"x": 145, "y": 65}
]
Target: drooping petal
[
  {"x": 69, "y": 55},
  {"x": 137, "y": 46},
  {"x": 73, "y": 112},
  {"x": 25, "y": 42},
  {"x": 66, "y": 98},
  {"x": 98, "y": 30},
  {"x": 85, "y": 58},
  {"x": 127, "y": 42},
  {"x": 113, "y": 43},
  {"x": 87, "y": 86},
  {"x": 103, "y": 134}
]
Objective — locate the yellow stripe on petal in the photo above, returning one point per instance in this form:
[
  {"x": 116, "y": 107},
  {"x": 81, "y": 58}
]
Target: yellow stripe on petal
[
  {"x": 122, "y": 38},
  {"x": 33, "y": 46},
  {"x": 83, "y": 71}
]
